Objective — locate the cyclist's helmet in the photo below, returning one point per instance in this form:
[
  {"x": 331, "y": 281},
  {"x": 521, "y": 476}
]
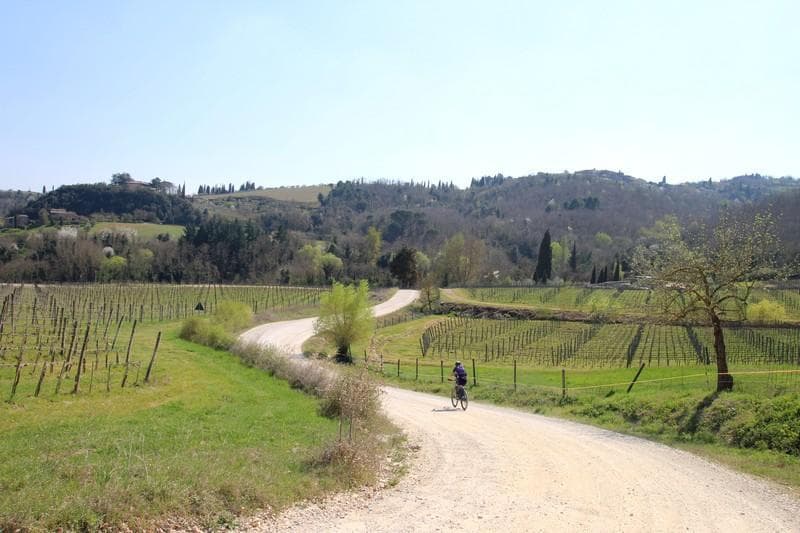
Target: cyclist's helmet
[{"x": 458, "y": 363}]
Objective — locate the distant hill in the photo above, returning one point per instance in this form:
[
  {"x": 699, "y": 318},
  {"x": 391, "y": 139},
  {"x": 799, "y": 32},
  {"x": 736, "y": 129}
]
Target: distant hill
[
  {"x": 284, "y": 234},
  {"x": 601, "y": 212},
  {"x": 140, "y": 204},
  {"x": 511, "y": 214}
]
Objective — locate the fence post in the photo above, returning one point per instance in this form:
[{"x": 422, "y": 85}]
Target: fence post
[
  {"x": 515, "y": 375},
  {"x": 641, "y": 367},
  {"x": 416, "y": 369},
  {"x": 152, "y": 359},
  {"x": 474, "y": 375},
  {"x": 441, "y": 365},
  {"x": 398, "y": 368},
  {"x": 563, "y": 382}
]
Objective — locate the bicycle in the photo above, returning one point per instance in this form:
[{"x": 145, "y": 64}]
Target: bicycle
[{"x": 459, "y": 394}]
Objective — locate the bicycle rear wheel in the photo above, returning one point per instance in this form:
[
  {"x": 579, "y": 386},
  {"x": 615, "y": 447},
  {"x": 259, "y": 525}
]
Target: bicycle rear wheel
[
  {"x": 454, "y": 397},
  {"x": 464, "y": 400}
]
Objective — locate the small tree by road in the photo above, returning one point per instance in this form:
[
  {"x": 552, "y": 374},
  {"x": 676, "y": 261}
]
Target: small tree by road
[
  {"x": 708, "y": 276},
  {"x": 345, "y": 317}
]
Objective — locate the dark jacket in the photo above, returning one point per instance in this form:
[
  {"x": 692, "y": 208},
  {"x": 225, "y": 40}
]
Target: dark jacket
[{"x": 461, "y": 374}]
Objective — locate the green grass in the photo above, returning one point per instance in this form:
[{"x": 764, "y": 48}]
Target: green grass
[
  {"x": 209, "y": 440},
  {"x": 303, "y": 194},
  {"x": 144, "y": 230}
]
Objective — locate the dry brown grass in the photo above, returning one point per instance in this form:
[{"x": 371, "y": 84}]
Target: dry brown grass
[{"x": 351, "y": 395}]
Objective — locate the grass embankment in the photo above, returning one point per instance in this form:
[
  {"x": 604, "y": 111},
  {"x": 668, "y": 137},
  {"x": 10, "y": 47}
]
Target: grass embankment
[
  {"x": 211, "y": 439},
  {"x": 571, "y": 302},
  {"x": 755, "y": 428}
]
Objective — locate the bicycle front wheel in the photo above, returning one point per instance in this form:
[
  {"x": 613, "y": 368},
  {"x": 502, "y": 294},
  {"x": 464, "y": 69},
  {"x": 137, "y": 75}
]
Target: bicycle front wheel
[
  {"x": 464, "y": 400},
  {"x": 454, "y": 397}
]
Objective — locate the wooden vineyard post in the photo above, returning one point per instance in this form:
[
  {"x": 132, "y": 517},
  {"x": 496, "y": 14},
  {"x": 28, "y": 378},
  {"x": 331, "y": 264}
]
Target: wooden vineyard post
[
  {"x": 381, "y": 356},
  {"x": 128, "y": 356},
  {"x": 641, "y": 367},
  {"x": 41, "y": 380},
  {"x": 563, "y": 382},
  {"x": 441, "y": 367},
  {"x": 81, "y": 361},
  {"x": 17, "y": 375},
  {"x": 67, "y": 360},
  {"x": 398, "y": 368},
  {"x": 474, "y": 375},
  {"x": 515, "y": 375},
  {"x": 114, "y": 342},
  {"x": 416, "y": 369},
  {"x": 153, "y": 359}
]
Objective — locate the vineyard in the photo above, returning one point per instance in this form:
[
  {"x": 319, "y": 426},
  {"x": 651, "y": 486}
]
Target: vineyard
[
  {"x": 585, "y": 345},
  {"x": 611, "y": 301},
  {"x": 70, "y": 338},
  {"x": 562, "y": 357}
]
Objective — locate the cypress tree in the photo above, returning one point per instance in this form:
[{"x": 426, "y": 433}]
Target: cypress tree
[
  {"x": 594, "y": 275},
  {"x": 573, "y": 258},
  {"x": 617, "y": 273},
  {"x": 544, "y": 263}
]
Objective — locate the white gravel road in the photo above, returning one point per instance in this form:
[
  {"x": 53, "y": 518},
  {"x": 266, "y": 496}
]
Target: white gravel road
[{"x": 497, "y": 469}]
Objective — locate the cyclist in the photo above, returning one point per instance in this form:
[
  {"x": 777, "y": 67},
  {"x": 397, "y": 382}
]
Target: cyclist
[{"x": 460, "y": 374}]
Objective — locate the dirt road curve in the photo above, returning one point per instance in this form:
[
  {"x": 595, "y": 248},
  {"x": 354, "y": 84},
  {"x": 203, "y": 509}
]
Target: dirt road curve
[
  {"x": 497, "y": 469},
  {"x": 291, "y": 334}
]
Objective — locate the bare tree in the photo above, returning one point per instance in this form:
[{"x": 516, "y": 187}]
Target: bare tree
[{"x": 708, "y": 275}]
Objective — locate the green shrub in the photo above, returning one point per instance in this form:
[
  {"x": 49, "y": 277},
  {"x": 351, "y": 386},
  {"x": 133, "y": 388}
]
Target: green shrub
[
  {"x": 774, "y": 425},
  {"x": 202, "y": 331},
  {"x": 218, "y": 330},
  {"x": 233, "y": 316}
]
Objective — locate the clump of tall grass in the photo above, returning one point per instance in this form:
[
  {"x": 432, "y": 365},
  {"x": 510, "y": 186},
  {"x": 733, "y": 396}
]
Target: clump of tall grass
[
  {"x": 218, "y": 330},
  {"x": 301, "y": 374},
  {"x": 352, "y": 396}
]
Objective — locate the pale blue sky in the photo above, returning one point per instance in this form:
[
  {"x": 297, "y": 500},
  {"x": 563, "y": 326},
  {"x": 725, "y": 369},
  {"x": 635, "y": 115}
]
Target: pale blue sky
[{"x": 287, "y": 93}]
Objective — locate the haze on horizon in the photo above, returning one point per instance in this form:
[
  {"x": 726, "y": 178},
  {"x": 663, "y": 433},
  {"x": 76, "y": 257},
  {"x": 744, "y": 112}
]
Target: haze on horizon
[{"x": 313, "y": 92}]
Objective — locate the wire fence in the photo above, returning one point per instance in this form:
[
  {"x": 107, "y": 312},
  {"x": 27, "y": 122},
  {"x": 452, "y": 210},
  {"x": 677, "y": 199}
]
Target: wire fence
[{"x": 572, "y": 381}]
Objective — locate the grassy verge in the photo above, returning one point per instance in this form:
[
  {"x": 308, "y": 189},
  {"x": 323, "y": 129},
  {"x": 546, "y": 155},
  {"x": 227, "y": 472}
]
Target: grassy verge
[{"x": 211, "y": 439}]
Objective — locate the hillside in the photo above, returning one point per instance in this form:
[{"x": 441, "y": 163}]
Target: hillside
[
  {"x": 512, "y": 214},
  {"x": 487, "y": 233},
  {"x": 137, "y": 204}
]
